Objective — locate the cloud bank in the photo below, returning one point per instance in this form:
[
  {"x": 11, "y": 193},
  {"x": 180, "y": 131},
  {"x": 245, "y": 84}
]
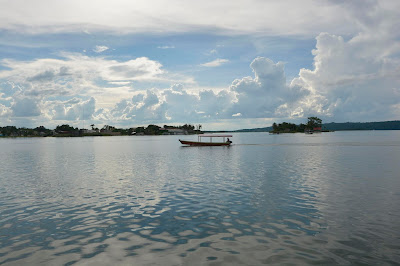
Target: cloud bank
[
  {"x": 240, "y": 16},
  {"x": 351, "y": 80}
]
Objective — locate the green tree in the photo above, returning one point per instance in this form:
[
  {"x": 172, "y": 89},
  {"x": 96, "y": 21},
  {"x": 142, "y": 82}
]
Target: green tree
[
  {"x": 301, "y": 128},
  {"x": 41, "y": 129},
  {"x": 66, "y": 127},
  {"x": 9, "y": 130},
  {"x": 187, "y": 127},
  {"x": 313, "y": 122},
  {"x": 139, "y": 129},
  {"x": 275, "y": 127},
  {"x": 152, "y": 130}
]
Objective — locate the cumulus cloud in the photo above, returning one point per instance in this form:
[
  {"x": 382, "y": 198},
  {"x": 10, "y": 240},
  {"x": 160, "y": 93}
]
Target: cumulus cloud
[
  {"x": 262, "y": 95},
  {"x": 215, "y": 63},
  {"x": 74, "y": 74},
  {"x": 51, "y": 88},
  {"x": 100, "y": 48},
  {"x": 142, "y": 107},
  {"x": 352, "y": 80},
  {"x": 71, "y": 110}
]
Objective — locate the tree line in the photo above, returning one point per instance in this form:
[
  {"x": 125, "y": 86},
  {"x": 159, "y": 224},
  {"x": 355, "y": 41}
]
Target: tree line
[
  {"x": 384, "y": 125},
  {"x": 156, "y": 130},
  {"x": 67, "y": 130},
  {"x": 12, "y": 131}
]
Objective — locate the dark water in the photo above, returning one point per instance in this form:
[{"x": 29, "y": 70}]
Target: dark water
[{"x": 332, "y": 198}]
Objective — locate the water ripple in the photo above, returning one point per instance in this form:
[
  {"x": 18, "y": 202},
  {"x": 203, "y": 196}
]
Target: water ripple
[{"x": 115, "y": 201}]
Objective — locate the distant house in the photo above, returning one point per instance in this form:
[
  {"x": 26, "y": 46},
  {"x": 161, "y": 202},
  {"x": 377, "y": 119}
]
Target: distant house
[
  {"x": 68, "y": 133},
  {"x": 90, "y": 131},
  {"x": 317, "y": 129},
  {"x": 164, "y": 131},
  {"x": 177, "y": 131}
]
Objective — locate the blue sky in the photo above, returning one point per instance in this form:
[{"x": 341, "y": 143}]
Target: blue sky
[{"x": 225, "y": 64}]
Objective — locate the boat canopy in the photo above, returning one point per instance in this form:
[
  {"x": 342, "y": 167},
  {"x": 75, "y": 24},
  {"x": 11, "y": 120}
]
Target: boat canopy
[
  {"x": 211, "y": 136},
  {"x": 215, "y": 136}
]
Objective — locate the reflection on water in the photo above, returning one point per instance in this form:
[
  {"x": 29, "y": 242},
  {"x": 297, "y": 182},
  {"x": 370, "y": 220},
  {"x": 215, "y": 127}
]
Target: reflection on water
[{"x": 292, "y": 198}]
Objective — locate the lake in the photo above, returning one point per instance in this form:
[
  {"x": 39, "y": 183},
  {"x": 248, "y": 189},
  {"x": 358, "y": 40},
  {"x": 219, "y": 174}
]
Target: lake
[{"x": 330, "y": 198}]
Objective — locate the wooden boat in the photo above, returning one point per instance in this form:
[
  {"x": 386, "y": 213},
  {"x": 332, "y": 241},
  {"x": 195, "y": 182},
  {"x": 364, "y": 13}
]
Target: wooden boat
[{"x": 199, "y": 141}]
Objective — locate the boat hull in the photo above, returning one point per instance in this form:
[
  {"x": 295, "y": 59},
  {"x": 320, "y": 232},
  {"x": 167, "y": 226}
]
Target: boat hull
[{"x": 197, "y": 143}]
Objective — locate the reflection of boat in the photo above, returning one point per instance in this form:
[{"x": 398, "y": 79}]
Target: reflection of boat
[{"x": 199, "y": 141}]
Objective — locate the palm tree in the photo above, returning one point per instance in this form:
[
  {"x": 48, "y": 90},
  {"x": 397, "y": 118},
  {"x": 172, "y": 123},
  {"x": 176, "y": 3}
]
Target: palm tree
[{"x": 92, "y": 125}]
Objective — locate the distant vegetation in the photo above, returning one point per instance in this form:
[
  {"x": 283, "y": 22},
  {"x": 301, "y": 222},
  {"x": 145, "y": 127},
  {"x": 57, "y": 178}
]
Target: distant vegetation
[
  {"x": 70, "y": 131},
  {"x": 12, "y": 131},
  {"x": 386, "y": 125},
  {"x": 168, "y": 130},
  {"x": 313, "y": 123}
]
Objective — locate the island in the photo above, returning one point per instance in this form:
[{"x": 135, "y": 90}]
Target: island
[{"x": 314, "y": 124}]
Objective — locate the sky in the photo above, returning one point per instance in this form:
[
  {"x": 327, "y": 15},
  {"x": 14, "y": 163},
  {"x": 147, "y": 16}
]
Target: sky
[{"x": 223, "y": 64}]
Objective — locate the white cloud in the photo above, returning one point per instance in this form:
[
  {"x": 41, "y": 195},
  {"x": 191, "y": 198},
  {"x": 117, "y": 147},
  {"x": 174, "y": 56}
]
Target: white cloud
[
  {"x": 56, "y": 89},
  {"x": 215, "y": 63},
  {"x": 137, "y": 69},
  {"x": 262, "y": 95},
  {"x": 75, "y": 73},
  {"x": 143, "y": 107},
  {"x": 353, "y": 80},
  {"x": 166, "y": 47},
  {"x": 100, "y": 48},
  {"x": 241, "y": 16},
  {"x": 70, "y": 110},
  {"x": 5, "y": 111}
]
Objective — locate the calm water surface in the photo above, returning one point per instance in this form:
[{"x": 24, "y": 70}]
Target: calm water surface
[{"x": 331, "y": 198}]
